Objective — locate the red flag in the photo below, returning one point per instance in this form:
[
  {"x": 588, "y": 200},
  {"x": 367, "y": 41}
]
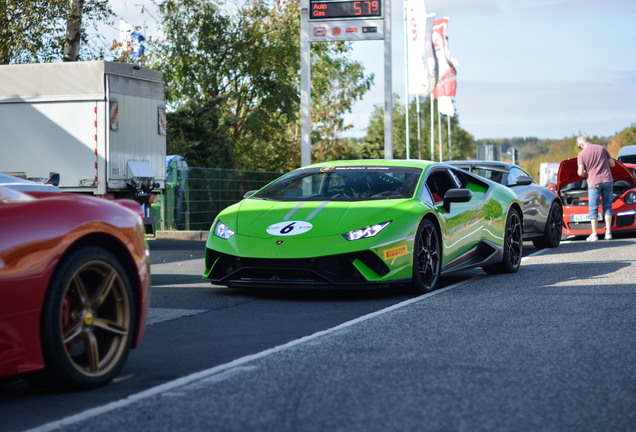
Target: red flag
[{"x": 446, "y": 63}]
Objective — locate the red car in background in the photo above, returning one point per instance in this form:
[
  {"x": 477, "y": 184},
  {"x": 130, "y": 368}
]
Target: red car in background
[
  {"x": 74, "y": 286},
  {"x": 573, "y": 192}
]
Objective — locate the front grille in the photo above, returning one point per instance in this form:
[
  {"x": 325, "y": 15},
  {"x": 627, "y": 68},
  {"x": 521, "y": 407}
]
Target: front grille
[
  {"x": 624, "y": 220},
  {"x": 331, "y": 270},
  {"x": 584, "y": 226}
]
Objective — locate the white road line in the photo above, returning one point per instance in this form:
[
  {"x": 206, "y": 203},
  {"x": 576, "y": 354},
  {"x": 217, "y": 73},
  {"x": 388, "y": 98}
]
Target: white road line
[{"x": 122, "y": 403}]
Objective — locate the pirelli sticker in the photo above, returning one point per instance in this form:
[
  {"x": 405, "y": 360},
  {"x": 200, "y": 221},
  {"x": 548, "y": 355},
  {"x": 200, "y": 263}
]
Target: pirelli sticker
[{"x": 395, "y": 252}]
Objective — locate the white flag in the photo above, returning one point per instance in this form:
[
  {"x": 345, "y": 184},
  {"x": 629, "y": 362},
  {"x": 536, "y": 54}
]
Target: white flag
[
  {"x": 419, "y": 59},
  {"x": 445, "y": 105}
]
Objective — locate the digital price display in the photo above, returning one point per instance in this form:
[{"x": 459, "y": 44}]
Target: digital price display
[{"x": 321, "y": 10}]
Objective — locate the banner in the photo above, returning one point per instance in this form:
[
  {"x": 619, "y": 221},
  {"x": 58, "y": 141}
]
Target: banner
[
  {"x": 445, "y": 105},
  {"x": 445, "y": 62},
  {"x": 420, "y": 62}
]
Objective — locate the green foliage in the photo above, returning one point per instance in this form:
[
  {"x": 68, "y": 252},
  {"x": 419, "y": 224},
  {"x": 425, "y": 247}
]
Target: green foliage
[
  {"x": 250, "y": 57},
  {"x": 534, "y": 151},
  {"x": 624, "y": 138},
  {"x": 35, "y": 31},
  {"x": 195, "y": 132},
  {"x": 337, "y": 82},
  {"x": 463, "y": 144},
  {"x": 246, "y": 58}
]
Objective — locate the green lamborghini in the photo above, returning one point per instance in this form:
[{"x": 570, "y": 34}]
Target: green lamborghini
[{"x": 370, "y": 223}]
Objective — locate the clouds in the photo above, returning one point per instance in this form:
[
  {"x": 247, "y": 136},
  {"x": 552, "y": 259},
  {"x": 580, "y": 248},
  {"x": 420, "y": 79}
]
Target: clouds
[
  {"x": 545, "y": 68},
  {"x": 552, "y": 110}
]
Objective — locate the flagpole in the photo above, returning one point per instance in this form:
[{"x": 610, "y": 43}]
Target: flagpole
[
  {"x": 439, "y": 128},
  {"x": 432, "y": 127},
  {"x": 450, "y": 147},
  {"x": 406, "y": 82},
  {"x": 432, "y": 15},
  {"x": 419, "y": 128}
]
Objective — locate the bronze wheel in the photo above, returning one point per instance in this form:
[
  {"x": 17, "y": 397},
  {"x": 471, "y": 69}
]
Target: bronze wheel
[{"x": 88, "y": 320}]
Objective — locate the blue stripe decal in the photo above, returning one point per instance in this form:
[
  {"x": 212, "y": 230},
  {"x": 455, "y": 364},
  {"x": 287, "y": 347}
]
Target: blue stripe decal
[
  {"x": 320, "y": 207},
  {"x": 294, "y": 210}
]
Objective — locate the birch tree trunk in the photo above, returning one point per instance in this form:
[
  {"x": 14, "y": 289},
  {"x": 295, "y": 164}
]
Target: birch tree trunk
[{"x": 73, "y": 31}]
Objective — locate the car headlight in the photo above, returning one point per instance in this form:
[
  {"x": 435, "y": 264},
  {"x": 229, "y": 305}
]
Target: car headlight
[
  {"x": 630, "y": 198},
  {"x": 222, "y": 231},
  {"x": 370, "y": 231}
]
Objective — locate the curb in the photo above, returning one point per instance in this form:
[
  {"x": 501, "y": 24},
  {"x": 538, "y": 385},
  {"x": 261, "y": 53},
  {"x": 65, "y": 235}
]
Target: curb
[{"x": 181, "y": 235}]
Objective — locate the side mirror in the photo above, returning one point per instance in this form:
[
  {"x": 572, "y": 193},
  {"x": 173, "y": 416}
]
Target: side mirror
[
  {"x": 524, "y": 181},
  {"x": 456, "y": 196},
  {"x": 250, "y": 193},
  {"x": 54, "y": 180}
]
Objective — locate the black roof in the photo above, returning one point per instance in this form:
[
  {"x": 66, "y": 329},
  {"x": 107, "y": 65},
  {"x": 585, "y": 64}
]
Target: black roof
[{"x": 505, "y": 166}]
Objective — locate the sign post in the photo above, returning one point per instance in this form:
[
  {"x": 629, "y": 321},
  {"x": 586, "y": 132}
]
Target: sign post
[{"x": 342, "y": 20}]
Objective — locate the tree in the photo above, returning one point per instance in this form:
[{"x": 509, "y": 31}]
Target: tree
[
  {"x": 337, "y": 82},
  {"x": 624, "y": 138},
  {"x": 38, "y": 31},
  {"x": 463, "y": 144},
  {"x": 248, "y": 58},
  {"x": 73, "y": 31},
  {"x": 195, "y": 132}
]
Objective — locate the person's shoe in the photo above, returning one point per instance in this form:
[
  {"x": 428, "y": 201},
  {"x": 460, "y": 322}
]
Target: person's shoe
[
  {"x": 592, "y": 237},
  {"x": 608, "y": 235}
]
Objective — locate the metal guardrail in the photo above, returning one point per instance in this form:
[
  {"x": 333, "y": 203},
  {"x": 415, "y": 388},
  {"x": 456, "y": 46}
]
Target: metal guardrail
[{"x": 195, "y": 196}]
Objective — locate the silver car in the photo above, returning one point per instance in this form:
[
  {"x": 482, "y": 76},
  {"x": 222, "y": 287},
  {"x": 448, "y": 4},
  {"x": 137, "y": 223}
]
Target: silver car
[
  {"x": 542, "y": 208},
  {"x": 20, "y": 184}
]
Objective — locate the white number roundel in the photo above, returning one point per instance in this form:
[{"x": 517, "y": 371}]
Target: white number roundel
[{"x": 289, "y": 228}]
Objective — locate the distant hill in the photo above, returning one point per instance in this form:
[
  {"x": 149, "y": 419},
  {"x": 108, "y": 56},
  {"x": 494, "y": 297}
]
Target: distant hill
[{"x": 533, "y": 150}]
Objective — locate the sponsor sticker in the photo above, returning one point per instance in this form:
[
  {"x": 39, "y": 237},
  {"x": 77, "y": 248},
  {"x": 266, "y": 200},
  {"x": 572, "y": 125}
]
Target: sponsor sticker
[
  {"x": 395, "y": 252},
  {"x": 289, "y": 228}
]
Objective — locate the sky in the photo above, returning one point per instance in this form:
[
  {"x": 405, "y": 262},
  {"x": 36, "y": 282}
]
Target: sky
[{"x": 531, "y": 68}]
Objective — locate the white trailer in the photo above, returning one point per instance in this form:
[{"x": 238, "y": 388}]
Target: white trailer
[
  {"x": 100, "y": 125},
  {"x": 548, "y": 172}
]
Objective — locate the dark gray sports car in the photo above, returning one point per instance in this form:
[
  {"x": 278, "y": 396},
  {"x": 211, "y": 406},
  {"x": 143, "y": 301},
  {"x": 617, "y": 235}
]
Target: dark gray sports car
[{"x": 542, "y": 208}]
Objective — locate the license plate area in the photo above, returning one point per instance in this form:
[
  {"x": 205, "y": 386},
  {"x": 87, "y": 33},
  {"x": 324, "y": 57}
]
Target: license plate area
[{"x": 580, "y": 218}]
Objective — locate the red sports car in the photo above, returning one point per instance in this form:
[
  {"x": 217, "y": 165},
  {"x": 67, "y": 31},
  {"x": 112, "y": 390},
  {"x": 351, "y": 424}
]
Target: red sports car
[
  {"x": 573, "y": 192},
  {"x": 74, "y": 286}
]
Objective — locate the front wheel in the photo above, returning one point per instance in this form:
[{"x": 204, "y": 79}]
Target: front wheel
[
  {"x": 512, "y": 246},
  {"x": 553, "y": 228},
  {"x": 88, "y": 320},
  {"x": 426, "y": 257}
]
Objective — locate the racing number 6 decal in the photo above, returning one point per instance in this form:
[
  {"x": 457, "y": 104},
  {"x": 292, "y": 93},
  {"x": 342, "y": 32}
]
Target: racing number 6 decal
[{"x": 289, "y": 228}]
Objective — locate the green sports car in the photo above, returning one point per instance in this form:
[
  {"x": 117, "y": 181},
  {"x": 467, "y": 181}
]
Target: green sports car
[{"x": 365, "y": 223}]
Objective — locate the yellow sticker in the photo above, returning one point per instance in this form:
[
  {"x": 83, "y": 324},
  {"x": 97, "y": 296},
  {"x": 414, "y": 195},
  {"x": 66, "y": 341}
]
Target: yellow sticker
[{"x": 395, "y": 252}]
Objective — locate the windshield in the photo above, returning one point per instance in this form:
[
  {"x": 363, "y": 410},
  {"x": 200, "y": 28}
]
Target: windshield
[{"x": 343, "y": 184}]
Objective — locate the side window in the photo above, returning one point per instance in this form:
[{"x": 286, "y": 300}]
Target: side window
[
  {"x": 459, "y": 183},
  {"x": 513, "y": 175},
  {"x": 439, "y": 182}
]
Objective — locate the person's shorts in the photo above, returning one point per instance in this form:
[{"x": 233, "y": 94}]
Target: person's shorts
[{"x": 603, "y": 191}]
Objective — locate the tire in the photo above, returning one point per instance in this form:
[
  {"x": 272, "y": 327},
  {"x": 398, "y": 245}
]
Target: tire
[
  {"x": 553, "y": 228},
  {"x": 88, "y": 321},
  {"x": 512, "y": 247},
  {"x": 427, "y": 257}
]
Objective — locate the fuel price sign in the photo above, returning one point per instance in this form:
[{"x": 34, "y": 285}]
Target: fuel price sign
[{"x": 328, "y": 10}]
